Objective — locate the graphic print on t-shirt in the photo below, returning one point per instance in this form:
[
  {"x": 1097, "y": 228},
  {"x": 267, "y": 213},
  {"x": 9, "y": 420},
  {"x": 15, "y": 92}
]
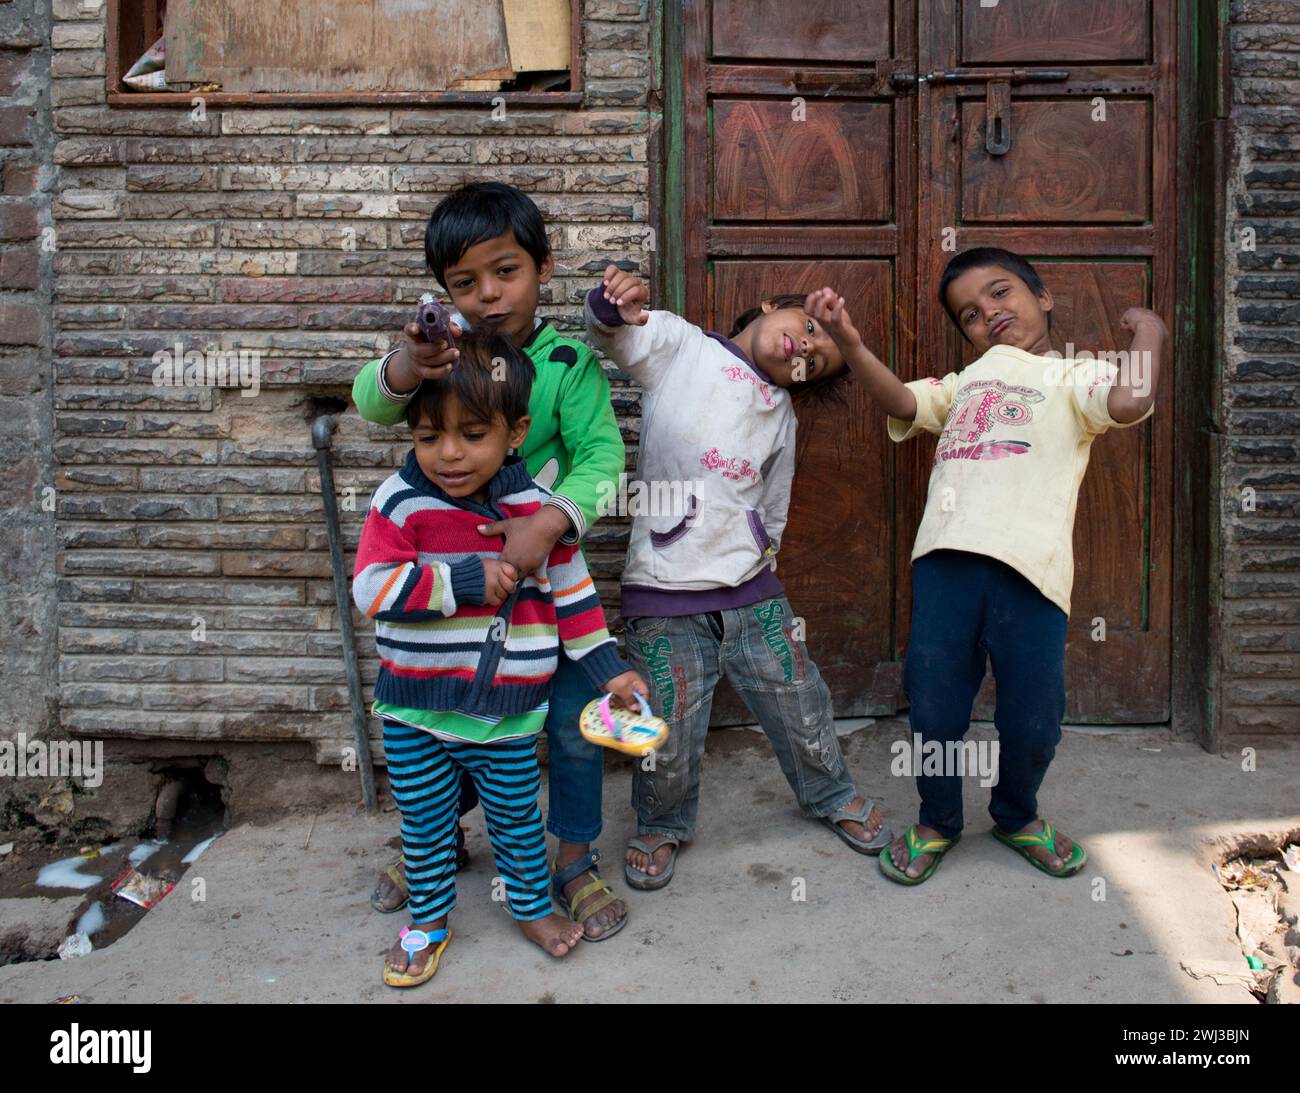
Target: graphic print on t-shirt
[{"x": 980, "y": 407}]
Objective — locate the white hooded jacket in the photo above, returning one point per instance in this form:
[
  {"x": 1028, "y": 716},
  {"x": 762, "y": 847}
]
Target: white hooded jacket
[{"x": 716, "y": 460}]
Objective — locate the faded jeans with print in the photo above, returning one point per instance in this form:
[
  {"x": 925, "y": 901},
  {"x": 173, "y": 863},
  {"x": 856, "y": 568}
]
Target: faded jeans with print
[{"x": 682, "y": 659}]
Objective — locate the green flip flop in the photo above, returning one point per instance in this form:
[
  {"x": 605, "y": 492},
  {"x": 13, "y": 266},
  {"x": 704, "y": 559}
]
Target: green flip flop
[
  {"x": 916, "y": 846},
  {"x": 1024, "y": 843}
]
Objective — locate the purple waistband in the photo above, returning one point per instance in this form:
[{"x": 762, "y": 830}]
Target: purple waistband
[{"x": 641, "y": 601}]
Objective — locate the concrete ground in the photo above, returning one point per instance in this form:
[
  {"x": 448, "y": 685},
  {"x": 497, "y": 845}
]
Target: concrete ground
[{"x": 282, "y": 924}]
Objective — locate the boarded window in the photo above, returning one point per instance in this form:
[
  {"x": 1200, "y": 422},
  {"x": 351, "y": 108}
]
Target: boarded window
[{"x": 357, "y": 47}]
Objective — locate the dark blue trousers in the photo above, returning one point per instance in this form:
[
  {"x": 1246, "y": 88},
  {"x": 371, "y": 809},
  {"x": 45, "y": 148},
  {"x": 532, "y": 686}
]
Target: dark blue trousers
[{"x": 967, "y": 608}]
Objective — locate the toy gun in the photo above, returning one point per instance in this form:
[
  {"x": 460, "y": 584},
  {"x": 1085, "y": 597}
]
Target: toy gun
[{"x": 434, "y": 321}]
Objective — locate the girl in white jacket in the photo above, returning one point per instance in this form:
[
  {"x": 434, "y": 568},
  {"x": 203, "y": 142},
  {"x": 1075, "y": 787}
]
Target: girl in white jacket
[{"x": 700, "y": 592}]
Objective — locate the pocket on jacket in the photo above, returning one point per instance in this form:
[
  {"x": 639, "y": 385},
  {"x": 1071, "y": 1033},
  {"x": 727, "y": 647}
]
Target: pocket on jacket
[
  {"x": 761, "y": 537},
  {"x": 665, "y": 537},
  {"x": 713, "y": 546}
]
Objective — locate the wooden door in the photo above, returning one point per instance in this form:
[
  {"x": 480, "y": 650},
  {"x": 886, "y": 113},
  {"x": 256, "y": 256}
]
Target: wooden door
[
  {"x": 1076, "y": 172},
  {"x": 793, "y": 133},
  {"x": 848, "y": 144}
]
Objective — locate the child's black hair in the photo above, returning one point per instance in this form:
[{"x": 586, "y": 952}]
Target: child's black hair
[
  {"x": 989, "y": 258},
  {"x": 827, "y": 389},
  {"x": 478, "y": 211},
  {"x": 491, "y": 377}
]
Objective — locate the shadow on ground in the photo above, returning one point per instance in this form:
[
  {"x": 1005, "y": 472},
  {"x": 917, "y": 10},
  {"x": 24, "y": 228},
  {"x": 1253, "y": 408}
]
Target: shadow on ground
[{"x": 280, "y": 923}]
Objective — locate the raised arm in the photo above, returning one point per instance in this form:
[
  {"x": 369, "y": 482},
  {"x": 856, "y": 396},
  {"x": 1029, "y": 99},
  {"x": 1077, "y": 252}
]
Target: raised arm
[
  {"x": 384, "y": 386},
  {"x": 644, "y": 344},
  {"x": 885, "y": 388},
  {"x": 1134, "y": 389}
]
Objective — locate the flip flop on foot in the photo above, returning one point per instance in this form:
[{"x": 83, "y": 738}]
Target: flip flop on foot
[
  {"x": 407, "y": 965},
  {"x": 916, "y": 846},
  {"x": 867, "y": 839},
  {"x": 1044, "y": 846},
  {"x": 390, "y": 894},
  {"x": 648, "y": 865}
]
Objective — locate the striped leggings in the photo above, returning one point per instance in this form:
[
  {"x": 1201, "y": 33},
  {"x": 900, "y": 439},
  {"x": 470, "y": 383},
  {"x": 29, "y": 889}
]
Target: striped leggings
[{"x": 424, "y": 773}]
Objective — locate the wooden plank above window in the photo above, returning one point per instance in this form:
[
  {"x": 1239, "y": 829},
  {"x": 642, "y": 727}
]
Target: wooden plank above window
[
  {"x": 335, "y": 45},
  {"x": 380, "y": 52}
]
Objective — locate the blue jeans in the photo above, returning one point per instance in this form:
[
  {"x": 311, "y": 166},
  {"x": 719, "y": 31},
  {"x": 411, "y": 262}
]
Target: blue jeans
[
  {"x": 575, "y": 767},
  {"x": 968, "y": 608},
  {"x": 683, "y": 658}
]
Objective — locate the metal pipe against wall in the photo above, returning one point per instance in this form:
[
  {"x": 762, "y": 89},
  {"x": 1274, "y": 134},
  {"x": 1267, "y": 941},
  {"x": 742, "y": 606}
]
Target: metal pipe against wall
[{"x": 322, "y": 430}]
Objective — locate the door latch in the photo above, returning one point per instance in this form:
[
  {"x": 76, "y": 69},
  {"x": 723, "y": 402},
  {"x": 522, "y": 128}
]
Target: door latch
[
  {"x": 997, "y": 118},
  {"x": 905, "y": 80},
  {"x": 997, "y": 105}
]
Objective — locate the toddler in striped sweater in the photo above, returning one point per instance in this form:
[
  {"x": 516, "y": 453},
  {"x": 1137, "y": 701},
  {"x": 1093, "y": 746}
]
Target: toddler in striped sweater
[{"x": 467, "y": 649}]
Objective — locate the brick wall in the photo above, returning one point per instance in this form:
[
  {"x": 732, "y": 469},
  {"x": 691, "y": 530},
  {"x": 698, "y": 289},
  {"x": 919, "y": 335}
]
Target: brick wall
[
  {"x": 296, "y": 233},
  {"x": 1260, "y": 652},
  {"x": 191, "y": 513},
  {"x": 27, "y": 635}
]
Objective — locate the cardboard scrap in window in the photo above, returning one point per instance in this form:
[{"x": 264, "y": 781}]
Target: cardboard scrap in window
[
  {"x": 538, "y": 34},
  {"x": 337, "y": 45}
]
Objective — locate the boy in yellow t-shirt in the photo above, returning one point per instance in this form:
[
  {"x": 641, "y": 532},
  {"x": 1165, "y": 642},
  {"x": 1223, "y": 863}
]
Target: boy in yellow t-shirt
[{"x": 993, "y": 562}]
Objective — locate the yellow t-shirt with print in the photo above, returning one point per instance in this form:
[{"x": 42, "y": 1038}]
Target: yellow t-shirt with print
[{"x": 1015, "y": 431}]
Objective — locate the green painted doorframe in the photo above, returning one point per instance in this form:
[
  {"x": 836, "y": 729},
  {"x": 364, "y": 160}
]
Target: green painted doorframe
[
  {"x": 1203, "y": 103},
  {"x": 1198, "y": 346}
]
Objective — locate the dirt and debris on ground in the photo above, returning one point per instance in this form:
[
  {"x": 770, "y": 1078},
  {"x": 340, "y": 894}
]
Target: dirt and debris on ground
[
  {"x": 1261, "y": 875},
  {"x": 766, "y": 905}
]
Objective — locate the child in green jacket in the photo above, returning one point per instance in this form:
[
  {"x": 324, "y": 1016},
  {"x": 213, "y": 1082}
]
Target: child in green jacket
[{"x": 486, "y": 244}]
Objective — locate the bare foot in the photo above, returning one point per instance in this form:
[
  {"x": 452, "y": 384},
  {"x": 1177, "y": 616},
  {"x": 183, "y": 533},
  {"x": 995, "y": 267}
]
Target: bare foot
[
  {"x": 606, "y": 918},
  {"x": 413, "y": 963},
  {"x": 652, "y": 864},
  {"x": 555, "y": 934}
]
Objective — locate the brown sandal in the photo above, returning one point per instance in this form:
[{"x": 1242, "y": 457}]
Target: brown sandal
[
  {"x": 394, "y": 873},
  {"x": 574, "y": 906}
]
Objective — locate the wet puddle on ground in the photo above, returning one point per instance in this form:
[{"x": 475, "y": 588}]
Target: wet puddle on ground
[{"x": 146, "y": 869}]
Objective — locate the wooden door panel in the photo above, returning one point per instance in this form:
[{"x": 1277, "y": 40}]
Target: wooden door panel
[
  {"x": 1091, "y": 204},
  {"x": 819, "y": 161},
  {"x": 866, "y": 196},
  {"x": 791, "y": 139},
  {"x": 1062, "y": 166},
  {"x": 1043, "y": 31},
  {"x": 1096, "y": 690},
  {"x": 842, "y": 484},
  {"x": 811, "y": 30},
  {"x": 1111, "y": 549}
]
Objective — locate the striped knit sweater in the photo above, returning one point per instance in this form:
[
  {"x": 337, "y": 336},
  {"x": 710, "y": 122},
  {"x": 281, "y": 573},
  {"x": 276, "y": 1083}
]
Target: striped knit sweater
[{"x": 419, "y": 576}]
